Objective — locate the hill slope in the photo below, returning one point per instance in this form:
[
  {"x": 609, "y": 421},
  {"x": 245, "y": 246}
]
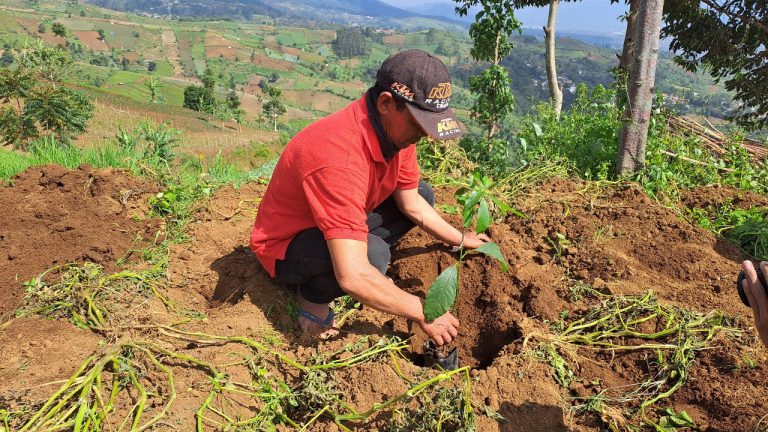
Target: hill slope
[{"x": 348, "y": 12}]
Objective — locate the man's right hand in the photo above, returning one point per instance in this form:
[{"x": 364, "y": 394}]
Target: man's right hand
[{"x": 442, "y": 330}]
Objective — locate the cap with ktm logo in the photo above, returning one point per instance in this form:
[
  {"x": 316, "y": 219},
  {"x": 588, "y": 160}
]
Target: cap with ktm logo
[{"x": 422, "y": 81}]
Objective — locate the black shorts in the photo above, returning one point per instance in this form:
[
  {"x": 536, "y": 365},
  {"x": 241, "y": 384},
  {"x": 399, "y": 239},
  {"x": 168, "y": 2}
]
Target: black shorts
[{"x": 307, "y": 261}]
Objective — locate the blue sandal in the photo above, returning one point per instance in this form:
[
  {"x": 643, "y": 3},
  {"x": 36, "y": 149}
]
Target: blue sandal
[{"x": 323, "y": 323}]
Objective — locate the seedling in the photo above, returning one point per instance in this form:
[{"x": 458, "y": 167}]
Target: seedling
[
  {"x": 559, "y": 244},
  {"x": 443, "y": 292}
]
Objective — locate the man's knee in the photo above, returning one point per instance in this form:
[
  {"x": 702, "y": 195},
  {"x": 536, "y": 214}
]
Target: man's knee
[
  {"x": 426, "y": 192},
  {"x": 378, "y": 253}
]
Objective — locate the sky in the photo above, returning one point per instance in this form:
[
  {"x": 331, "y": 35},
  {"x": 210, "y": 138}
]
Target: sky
[{"x": 589, "y": 15}]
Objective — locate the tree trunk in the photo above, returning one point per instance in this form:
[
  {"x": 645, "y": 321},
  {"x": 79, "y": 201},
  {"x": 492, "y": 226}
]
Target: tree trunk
[
  {"x": 634, "y": 132},
  {"x": 627, "y": 53},
  {"x": 555, "y": 90},
  {"x": 629, "y": 37}
]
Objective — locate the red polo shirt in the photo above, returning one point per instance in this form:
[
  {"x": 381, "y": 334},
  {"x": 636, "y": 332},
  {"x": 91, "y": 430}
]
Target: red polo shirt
[{"x": 330, "y": 175}]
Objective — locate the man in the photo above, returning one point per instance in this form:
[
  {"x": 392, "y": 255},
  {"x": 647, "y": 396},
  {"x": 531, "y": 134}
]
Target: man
[
  {"x": 758, "y": 299},
  {"x": 347, "y": 187}
]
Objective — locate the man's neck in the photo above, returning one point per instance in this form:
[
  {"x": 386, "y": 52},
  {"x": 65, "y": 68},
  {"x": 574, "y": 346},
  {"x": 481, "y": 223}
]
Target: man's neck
[{"x": 388, "y": 148}]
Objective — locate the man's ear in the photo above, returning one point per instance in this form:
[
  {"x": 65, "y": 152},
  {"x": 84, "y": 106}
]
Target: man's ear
[{"x": 385, "y": 103}]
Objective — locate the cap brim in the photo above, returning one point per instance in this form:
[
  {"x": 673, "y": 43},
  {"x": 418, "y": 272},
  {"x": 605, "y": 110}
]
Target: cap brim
[{"x": 442, "y": 125}]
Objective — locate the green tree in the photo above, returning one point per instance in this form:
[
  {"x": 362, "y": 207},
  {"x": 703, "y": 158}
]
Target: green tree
[
  {"x": 59, "y": 110},
  {"x": 351, "y": 42},
  {"x": 728, "y": 38},
  {"x": 7, "y": 58},
  {"x": 102, "y": 35},
  {"x": 15, "y": 85},
  {"x": 42, "y": 105},
  {"x": 51, "y": 63},
  {"x": 153, "y": 84},
  {"x": 233, "y": 101},
  {"x": 208, "y": 80},
  {"x": 273, "y": 108},
  {"x": 199, "y": 98},
  {"x": 41, "y": 27},
  {"x": 59, "y": 30},
  {"x": 491, "y": 41}
]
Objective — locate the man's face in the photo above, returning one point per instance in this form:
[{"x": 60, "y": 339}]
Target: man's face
[{"x": 399, "y": 124}]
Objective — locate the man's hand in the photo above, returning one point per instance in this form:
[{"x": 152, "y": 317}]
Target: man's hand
[
  {"x": 757, "y": 297},
  {"x": 474, "y": 240},
  {"x": 442, "y": 330}
]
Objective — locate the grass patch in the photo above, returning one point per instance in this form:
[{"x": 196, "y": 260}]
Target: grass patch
[{"x": 49, "y": 151}]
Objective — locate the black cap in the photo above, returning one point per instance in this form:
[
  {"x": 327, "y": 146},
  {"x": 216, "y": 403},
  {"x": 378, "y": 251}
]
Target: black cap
[{"x": 422, "y": 81}]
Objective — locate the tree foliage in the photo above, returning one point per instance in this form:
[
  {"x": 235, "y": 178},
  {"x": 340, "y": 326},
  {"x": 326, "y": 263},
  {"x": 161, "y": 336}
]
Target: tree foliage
[
  {"x": 493, "y": 28},
  {"x": 37, "y": 103},
  {"x": 274, "y": 106},
  {"x": 729, "y": 39},
  {"x": 351, "y": 42},
  {"x": 199, "y": 98},
  {"x": 494, "y": 100},
  {"x": 58, "y": 29},
  {"x": 154, "y": 85}
]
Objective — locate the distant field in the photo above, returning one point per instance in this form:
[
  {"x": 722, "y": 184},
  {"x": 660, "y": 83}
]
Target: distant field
[
  {"x": 77, "y": 23},
  {"x": 90, "y": 39},
  {"x": 122, "y": 36},
  {"x": 185, "y": 53}
]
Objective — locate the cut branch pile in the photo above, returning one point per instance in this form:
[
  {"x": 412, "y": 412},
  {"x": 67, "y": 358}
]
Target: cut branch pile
[{"x": 715, "y": 140}]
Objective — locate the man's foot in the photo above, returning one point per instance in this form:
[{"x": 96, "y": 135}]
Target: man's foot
[{"x": 316, "y": 318}]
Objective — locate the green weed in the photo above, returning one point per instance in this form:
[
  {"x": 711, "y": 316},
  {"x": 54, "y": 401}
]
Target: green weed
[
  {"x": 86, "y": 296},
  {"x": 747, "y": 228},
  {"x": 587, "y": 136},
  {"x": 669, "y": 335},
  {"x": 438, "y": 410}
]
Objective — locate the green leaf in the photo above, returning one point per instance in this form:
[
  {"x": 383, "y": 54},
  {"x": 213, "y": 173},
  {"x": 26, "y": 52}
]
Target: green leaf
[
  {"x": 469, "y": 207},
  {"x": 442, "y": 293},
  {"x": 537, "y": 130},
  {"x": 492, "y": 250},
  {"x": 483, "y": 217},
  {"x": 473, "y": 199}
]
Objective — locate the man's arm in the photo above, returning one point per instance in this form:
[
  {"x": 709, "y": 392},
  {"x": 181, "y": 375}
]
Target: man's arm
[
  {"x": 417, "y": 209},
  {"x": 757, "y": 297},
  {"x": 358, "y": 278}
]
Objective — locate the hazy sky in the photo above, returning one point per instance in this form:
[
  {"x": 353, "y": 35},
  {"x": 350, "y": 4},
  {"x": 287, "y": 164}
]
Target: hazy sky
[{"x": 598, "y": 15}]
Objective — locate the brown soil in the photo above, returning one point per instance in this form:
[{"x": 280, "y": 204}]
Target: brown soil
[
  {"x": 619, "y": 242},
  {"x": 53, "y": 216},
  {"x": 90, "y": 39},
  {"x": 717, "y": 195},
  {"x": 218, "y": 46},
  {"x": 269, "y": 63}
]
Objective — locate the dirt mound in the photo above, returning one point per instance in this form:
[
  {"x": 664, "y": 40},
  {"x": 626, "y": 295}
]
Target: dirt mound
[
  {"x": 621, "y": 243},
  {"x": 616, "y": 241},
  {"x": 52, "y": 216},
  {"x": 717, "y": 195}
]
